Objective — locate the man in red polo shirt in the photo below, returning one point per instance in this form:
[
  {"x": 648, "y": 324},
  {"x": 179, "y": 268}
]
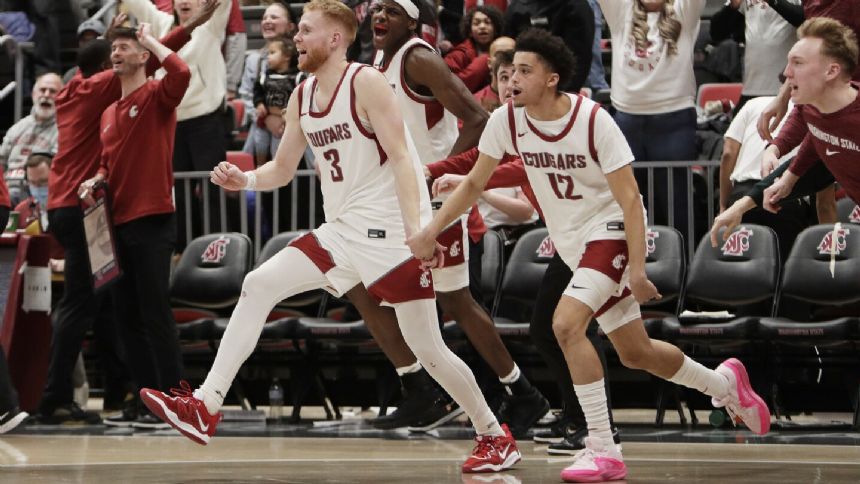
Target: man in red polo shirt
[{"x": 137, "y": 134}]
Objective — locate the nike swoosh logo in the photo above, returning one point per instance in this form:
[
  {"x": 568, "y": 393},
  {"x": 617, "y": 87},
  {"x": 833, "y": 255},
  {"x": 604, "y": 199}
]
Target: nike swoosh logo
[
  {"x": 831, "y": 153},
  {"x": 520, "y": 135},
  {"x": 4, "y": 415},
  {"x": 504, "y": 454},
  {"x": 203, "y": 427}
]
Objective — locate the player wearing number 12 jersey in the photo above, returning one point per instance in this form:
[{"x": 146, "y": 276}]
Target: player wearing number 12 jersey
[
  {"x": 578, "y": 163},
  {"x": 370, "y": 182}
]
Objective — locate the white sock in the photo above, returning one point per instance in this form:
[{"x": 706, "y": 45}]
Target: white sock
[
  {"x": 592, "y": 398},
  {"x": 513, "y": 376},
  {"x": 420, "y": 327},
  {"x": 405, "y": 370},
  {"x": 693, "y": 375},
  {"x": 212, "y": 392}
]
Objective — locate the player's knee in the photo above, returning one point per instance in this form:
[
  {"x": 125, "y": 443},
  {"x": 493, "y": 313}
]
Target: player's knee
[
  {"x": 634, "y": 357},
  {"x": 567, "y": 330},
  {"x": 254, "y": 284}
]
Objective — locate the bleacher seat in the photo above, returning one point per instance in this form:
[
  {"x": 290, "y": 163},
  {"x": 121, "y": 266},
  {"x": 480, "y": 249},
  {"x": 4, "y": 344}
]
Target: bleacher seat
[
  {"x": 244, "y": 161},
  {"x": 718, "y": 91}
]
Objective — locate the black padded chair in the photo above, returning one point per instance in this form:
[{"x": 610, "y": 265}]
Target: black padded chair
[
  {"x": 666, "y": 267},
  {"x": 848, "y": 211},
  {"x": 822, "y": 270},
  {"x": 207, "y": 281},
  {"x": 522, "y": 278}
]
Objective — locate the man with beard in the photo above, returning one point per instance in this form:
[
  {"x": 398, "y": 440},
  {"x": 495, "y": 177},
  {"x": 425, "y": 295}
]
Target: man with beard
[
  {"x": 36, "y": 132},
  {"x": 370, "y": 182},
  {"x": 431, "y": 99}
]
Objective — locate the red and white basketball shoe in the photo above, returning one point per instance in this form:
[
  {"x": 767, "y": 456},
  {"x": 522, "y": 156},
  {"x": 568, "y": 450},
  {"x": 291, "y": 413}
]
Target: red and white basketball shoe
[
  {"x": 493, "y": 454},
  {"x": 182, "y": 411},
  {"x": 742, "y": 402},
  {"x": 597, "y": 462}
]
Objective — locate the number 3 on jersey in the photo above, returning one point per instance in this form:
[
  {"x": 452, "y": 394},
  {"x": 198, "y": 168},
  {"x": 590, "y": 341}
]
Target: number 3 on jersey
[
  {"x": 557, "y": 181},
  {"x": 333, "y": 157}
]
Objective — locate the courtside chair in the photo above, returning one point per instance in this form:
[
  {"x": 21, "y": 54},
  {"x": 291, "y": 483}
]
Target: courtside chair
[
  {"x": 848, "y": 211},
  {"x": 822, "y": 270}
]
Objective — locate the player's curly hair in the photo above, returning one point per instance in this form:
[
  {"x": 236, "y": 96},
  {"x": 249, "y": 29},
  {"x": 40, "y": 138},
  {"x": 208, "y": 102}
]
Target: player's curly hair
[
  {"x": 668, "y": 25},
  {"x": 552, "y": 50}
]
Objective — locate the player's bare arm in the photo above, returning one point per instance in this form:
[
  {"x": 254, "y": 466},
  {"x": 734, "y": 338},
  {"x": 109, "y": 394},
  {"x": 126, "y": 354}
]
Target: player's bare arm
[
  {"x": 377, "y": 103},
  {"x": 424, "y": 242},
  {"x": 623, "y": 186},
  {"x": 431, "y": 70},
  {"x": 275, "y": 173}
]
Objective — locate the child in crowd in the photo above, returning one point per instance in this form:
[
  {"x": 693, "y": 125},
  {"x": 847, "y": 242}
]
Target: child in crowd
[{"x": 271, "y": 93}]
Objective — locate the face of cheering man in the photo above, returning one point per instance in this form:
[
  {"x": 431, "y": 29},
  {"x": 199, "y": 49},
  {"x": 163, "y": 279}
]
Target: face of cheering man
[
  {"x": 315, "y": 41},
  {"x": 392, "y": 26},
  {"x": 127, "y": 56},
  {"x": 44, "y": 93},
  {"x": 809, "y": 71},
  {"x": 531, "y": 78}
]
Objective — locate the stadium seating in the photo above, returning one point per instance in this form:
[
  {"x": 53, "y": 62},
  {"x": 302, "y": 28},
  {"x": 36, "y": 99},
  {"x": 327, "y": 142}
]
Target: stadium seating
[{"x": 719, "y": 91}]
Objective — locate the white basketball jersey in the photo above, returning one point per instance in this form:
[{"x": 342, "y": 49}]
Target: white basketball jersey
[
  {"x": 432, "y": 127},
  {"x": 566, "y": 162},
  {"x": 357, "y": 181}
]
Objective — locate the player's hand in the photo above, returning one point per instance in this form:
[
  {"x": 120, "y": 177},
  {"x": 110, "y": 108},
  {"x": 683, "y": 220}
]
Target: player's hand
[
  {"x": 203, "y": 16},
  {"x": 769, "y": 162},
  {"x": 771, "y": 117},
  {"x": 425, "y": 248},
  {"x": 446, "y": 183},
  {"x": 229, "y": 176},
  {"x": 643, "y": 289},
  {"x": 729, "y": 219},
  {"x": 776, "y": 192}
]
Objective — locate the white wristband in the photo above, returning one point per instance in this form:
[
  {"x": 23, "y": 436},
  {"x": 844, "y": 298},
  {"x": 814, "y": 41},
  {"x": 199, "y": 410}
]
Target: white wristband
[{"x": 251, "y": 181}]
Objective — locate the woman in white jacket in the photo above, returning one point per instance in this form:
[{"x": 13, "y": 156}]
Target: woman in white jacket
[
  {"x": 653, "y": 90},
  {"x": 200, "y": 136}
]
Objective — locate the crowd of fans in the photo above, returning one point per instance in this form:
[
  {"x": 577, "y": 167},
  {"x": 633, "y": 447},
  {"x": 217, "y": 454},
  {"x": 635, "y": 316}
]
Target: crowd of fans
[{"x": 48, "y": 155}]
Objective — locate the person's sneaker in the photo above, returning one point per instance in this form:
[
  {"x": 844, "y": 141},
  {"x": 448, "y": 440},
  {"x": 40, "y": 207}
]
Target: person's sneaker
[
  {"x": 597, "y": 462},
  {"x": 419, "y": 393},
  {"x": 493, "y": 454},
  {"x": 558, "y": 429},
  {"x": 742, "y": 403},
  {"x": 11, "y": 419},
  {"x": 521, "y": 412},
  {"x": 148, "y": 421},
  {"x": 125, "y": 418},
  {"x": 574, "y": 442},
  {"x": 182, "y": 411},
  {"x": 442, "y": 412},
  {"x": 67, "y": 414}
]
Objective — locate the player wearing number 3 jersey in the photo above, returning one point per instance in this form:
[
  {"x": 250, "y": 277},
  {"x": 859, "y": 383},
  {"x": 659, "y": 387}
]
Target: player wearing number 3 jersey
[
  {"x": 370, "y": 182},
  {"x": 578, "y": 164}
]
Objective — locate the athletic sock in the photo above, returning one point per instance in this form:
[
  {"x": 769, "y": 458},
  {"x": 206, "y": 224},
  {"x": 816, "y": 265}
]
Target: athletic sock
[
  {"x": 592, "y": 398},
  {"x": 693, "y": 375}
]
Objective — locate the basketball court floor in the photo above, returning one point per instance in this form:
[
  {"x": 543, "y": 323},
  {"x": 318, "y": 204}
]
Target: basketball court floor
[{"x": 351, "y": 451}]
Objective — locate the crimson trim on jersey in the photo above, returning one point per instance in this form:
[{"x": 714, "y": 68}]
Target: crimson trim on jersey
[
  {"x": 599, "y": 255},
  {"x": 433, "y": 109},
  {"x": 591, "y": 147},
  {"x": 301, "y": 90},
  {"x": 310, "y": 246},
  {"x": 448, "y": 237},
  {"x": 333, "y": 96},
  {"x": 611, "y": 302},
  {"x": 383, "y": 156},
  {"x": 402, "y": 284},
  {"x": 512, "y": 126},
  {"x": 566, "y": 129}
]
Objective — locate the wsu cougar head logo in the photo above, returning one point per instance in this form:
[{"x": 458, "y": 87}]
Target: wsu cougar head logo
[
  {"x": 215, "y": 251},
  {"x": 454, "y": 251},
  {"x": 424, "y": 280},
  {"x": 650, "y": 241},
  {"x": 546, "y": 249},
  {"x": 855, "y": 215},
  {"x": 827, "y": 243},
  {"x": 738, "y": 243}
]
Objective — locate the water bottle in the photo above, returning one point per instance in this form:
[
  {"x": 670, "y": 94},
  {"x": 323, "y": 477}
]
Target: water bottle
[{"x": 276, "y": 400}]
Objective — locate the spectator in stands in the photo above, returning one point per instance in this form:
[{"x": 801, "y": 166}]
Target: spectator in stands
[
  {"x": 768, "y": 39},
  {"x": 201, "y": 141},
  {"x": 136, "y": 161},
  {"x": 501, "y": 65},
  {"x": 469, "y": 60},
  {"x": 653, "y": 91},
  {"x": 79, "y": 108},
  {"x": 276, "y": 22},
  {"x": 596, "y": 75},
  {"x": 572, "y": 20},
  {"x": 827, "y": 106},
  {"x": 35, "y": 132},
  {"x": 88, "y": 31},
  {"x": 271, "y": 93},
  {"x": 740, "y": 171},
  {"x": 33, "y": 207}
]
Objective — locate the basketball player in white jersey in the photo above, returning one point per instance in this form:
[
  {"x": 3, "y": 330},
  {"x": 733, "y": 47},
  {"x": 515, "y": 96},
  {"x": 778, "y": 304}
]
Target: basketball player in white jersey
[
  {"x": 370, "y": 183},
  {"x": 431, "y": 99},
  {"x": 578, "y": 164}
]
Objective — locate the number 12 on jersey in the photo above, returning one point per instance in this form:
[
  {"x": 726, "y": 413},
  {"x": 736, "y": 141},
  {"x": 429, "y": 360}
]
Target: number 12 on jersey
[{"x": 562, "y": 183}]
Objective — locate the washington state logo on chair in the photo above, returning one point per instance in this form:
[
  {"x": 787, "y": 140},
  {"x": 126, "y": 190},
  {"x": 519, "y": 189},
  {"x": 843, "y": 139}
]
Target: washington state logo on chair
[
  {"x": 650, "y": 241},
  {"x": 546, "y": 249},
  {"x": 826, "y": 245},
  {"x": 215, "y": 251},
  {"x": 855, "y": 215},
  {"x": 738, "y": 243}
]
